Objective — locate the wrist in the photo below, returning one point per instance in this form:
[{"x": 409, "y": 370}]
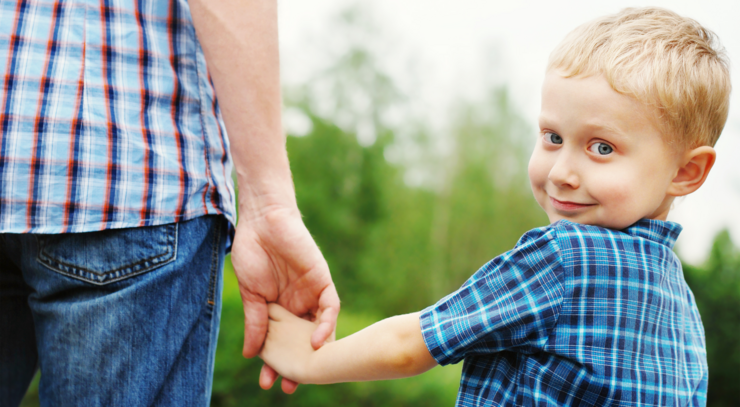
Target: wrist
[
  {"x": 255, "y": 204},
  {"x": 264, "y": 180},
  {"x": 312, "y": 370},
  {"x": 260, "y": 196}
]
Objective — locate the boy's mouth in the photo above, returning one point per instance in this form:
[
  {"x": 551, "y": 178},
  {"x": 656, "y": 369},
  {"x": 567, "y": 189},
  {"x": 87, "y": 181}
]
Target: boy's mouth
[{"x": 568, "y": 206}]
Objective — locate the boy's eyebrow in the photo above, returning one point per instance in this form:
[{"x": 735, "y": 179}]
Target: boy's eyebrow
[
  {"x": 597, "y": 126},
  {"x": 594, "y": 126},
  {"x": 543, "y": 120}
]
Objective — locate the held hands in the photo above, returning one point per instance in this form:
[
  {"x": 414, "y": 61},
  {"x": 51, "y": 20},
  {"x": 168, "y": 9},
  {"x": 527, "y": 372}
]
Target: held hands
[
  {"x": 389, "y": 349},
  {"x": 276, "y": 260},
  {"x": 287, "y": 348}
]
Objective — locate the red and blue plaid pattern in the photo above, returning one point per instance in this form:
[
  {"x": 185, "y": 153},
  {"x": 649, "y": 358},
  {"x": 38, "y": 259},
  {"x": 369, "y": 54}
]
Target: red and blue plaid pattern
[
  {"x": 108, "y": 118},
  {"x": 576, "y": 315}
]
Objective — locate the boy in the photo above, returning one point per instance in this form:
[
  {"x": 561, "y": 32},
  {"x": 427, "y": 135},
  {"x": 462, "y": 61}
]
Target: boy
[{"x": 592, "y": 309}]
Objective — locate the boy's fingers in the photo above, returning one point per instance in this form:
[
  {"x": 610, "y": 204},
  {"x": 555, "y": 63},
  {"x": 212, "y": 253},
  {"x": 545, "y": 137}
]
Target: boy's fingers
[{"x": 277, "y": 312}]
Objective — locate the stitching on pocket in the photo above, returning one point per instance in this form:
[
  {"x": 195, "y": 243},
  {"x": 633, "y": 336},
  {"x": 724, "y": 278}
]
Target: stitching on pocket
[
  {"x": 120, "y": 273},
  {"x": 214, "y": 261}
]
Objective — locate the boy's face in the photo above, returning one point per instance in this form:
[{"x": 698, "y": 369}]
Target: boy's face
[{"x": 600, "y": 157}]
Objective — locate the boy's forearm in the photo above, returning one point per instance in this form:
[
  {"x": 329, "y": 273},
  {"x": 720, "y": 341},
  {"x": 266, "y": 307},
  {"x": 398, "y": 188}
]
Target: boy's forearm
[{"x": 390, "y": 349}]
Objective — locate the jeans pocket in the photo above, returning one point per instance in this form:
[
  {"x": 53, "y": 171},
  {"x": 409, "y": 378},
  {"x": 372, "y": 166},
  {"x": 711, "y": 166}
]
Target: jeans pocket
[{"x": 109, "y": 256}]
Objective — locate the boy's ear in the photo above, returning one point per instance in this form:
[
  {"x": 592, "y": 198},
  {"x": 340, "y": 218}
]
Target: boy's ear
[{"x": 691, "y": 175}]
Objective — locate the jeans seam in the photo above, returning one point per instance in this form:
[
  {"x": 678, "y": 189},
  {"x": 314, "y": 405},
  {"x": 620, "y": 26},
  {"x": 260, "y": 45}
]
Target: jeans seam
[
  {"x": 73, "y": 270},
  {"x": 45, "y": 259},
  {"x": 214, "y": 263}
]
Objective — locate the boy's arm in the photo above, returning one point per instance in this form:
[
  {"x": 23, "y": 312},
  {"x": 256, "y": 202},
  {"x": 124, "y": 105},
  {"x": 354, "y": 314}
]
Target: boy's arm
[{"x": 390, "y": 349}]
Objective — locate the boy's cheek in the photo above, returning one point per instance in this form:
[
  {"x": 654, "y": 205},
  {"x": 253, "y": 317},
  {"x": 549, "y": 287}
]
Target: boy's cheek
[
  {"x": 537, "y": 168},
  {"x": 610, "y": 190},
  {"x": 538, "y": 171}
]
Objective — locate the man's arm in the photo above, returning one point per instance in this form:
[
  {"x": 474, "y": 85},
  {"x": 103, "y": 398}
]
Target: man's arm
[
  {"x": 390, "y": 349},
  {"x": 274, "y": 256}
]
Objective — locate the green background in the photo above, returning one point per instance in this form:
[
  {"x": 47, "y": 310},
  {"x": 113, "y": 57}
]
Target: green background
[{"x": 407, "y": 218}]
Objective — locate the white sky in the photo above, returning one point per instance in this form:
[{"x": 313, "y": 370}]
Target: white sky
[{"x": 449, "y": 50}]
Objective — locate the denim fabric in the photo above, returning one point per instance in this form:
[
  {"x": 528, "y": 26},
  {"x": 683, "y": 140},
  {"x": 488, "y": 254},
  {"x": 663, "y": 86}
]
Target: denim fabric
[{"x": 120, "y": 317}]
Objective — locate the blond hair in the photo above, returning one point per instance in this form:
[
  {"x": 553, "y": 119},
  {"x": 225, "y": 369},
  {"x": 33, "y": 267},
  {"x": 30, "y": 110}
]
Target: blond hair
[{"x": 661, "y": 59}]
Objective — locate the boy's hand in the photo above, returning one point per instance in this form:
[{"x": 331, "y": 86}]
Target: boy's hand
[
  {"x": 287, "y": 348},
  {"x": 390, "y": 349}
]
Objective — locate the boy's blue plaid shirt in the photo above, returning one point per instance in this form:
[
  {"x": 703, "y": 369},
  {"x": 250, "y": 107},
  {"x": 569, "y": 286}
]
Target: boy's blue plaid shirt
[
  {"x": 576, "y": 315},
  {"x": 107, "y": 118}
]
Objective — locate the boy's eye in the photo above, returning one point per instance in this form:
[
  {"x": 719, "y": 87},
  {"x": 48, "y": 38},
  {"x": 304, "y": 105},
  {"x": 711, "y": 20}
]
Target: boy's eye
[
  {"x": 553, "y": 138},
  {"x": 601, "y": 148}
]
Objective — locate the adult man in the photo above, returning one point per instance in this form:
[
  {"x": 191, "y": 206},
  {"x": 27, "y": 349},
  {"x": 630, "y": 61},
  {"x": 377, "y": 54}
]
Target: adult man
[{"x": 115, "y": 193}]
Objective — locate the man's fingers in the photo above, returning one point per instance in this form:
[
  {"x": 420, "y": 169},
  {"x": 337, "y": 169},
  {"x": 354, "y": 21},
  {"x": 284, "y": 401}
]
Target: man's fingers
[
  {"x": 268, "y": 376},
  {"x": 320, "y": 335},
  {"x": 288, "y": 386},
  {"x": 328, "y": 312},
  {"x": 255, "y": 324}
]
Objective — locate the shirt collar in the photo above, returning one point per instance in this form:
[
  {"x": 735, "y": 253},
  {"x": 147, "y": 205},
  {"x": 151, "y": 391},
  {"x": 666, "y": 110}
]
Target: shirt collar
[{"x": 659, "y": 231}]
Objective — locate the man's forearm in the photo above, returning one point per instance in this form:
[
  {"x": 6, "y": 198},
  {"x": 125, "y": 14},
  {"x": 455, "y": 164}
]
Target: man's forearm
[
  {"x": 240, "y": 42},
  {"x": 274, "y": 256},
  {"x": 390, "y": 349}
]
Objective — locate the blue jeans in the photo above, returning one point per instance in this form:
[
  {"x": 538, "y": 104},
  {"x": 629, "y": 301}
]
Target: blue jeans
[{"x": 125, "y": 317}]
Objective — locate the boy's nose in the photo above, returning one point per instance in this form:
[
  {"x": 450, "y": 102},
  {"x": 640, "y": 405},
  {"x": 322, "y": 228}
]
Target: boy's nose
[{"x": 563, "y": 173}]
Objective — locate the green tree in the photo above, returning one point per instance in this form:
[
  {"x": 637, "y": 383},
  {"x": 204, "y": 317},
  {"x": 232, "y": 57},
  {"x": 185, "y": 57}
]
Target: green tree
[
  {"x": 716, "y": 287},
  {"x": 396, "y": 246}
]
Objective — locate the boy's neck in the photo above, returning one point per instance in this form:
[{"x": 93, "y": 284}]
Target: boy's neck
[{"x": 662, "y": 212}]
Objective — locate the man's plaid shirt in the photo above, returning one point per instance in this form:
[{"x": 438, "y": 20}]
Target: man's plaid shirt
[
  {"x": 107, "y": 116},
  {"x": 576, "y": 315}
]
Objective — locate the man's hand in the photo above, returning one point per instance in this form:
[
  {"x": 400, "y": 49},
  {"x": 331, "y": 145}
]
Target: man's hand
[
  {"x": 277, "y": 260},
  {"x": 274, "y": 256}
]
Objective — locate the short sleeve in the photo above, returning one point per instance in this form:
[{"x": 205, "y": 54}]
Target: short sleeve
[{"x": 511, "y": 303}]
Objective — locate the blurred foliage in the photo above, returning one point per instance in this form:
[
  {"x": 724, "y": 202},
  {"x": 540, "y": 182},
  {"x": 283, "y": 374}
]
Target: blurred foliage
[
  {"x": 235, "y": 378},
  {"x": 716, "y": 287},
  {"x": 380, "y": 235},
  {"x": 393, "y": 248},
  {"x": 396, "y": 246}
]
